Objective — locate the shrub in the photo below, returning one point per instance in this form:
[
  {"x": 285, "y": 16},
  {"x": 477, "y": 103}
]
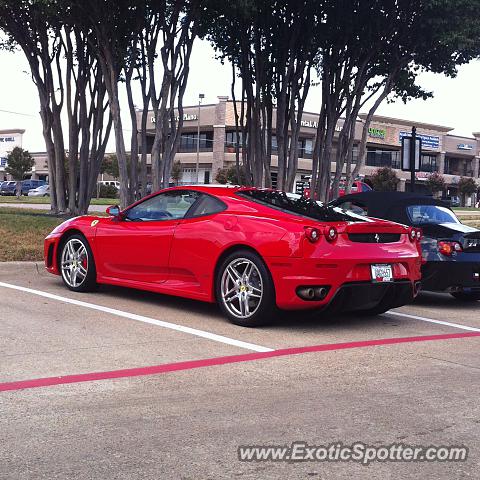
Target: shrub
[
  {"x": 385, "y": 180},
  {"x": 108, "y": 191}
]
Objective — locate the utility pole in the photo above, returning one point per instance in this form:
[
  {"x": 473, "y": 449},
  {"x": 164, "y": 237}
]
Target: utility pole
[{"x": 201, "y": 96}]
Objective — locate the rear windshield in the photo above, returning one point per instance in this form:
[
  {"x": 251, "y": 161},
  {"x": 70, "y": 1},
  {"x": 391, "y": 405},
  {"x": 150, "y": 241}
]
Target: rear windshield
[
  {"x": 298, "y": 205},
  {"x": 423, "y": 214}
]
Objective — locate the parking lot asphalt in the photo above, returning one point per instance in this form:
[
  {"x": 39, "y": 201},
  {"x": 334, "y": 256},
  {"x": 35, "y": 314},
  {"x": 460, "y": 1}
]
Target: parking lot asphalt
[{"x": 146, "y": 386}]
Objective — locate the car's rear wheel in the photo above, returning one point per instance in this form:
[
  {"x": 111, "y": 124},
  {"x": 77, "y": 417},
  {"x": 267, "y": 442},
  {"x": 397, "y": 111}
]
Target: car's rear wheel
[
  {"x": 245, "y": 290},
  {"x": 77, "y": 264},
  {"x": 466, "y": 297}
]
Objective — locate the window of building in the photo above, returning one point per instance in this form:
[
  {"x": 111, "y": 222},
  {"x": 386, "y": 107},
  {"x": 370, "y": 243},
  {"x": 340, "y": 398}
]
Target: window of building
[
  {"x": 231, "y": 139},
  {"x": 274, "y": 177},
  {"x": 274, "y": 144},
  {"x": 428, "y": 163},
  {"x": 188, "y": 142},
  {"x": 305, "y": 147},
  {"x": 382, "y": 158}
]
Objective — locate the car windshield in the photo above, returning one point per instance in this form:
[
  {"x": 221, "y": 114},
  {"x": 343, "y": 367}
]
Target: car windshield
[
  {"x": 299, "y": 205},
  {"x": 422, "y": 214}
]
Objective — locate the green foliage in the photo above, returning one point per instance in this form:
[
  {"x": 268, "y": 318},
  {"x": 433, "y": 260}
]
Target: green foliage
[
  {"x": 110, "y": 166},
  {"x": 467, "y": 186},
  {"x": 176, "y": 172},
  {"x": 229, "y": 175},
  {"x": 108, "y": 191},
  {"x": 385, "y": 180},
  {"x": 436, "y": 182},
  {"x": 19, "y": 163}
]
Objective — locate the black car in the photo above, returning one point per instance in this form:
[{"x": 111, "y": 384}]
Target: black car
[{"x": 450, "y": 249}]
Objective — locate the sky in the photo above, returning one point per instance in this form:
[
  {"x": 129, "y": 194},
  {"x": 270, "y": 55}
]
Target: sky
[{"x": 456, "y": 102}]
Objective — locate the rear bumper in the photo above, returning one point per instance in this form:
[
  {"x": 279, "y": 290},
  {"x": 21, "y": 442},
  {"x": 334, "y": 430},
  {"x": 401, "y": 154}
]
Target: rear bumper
[
  {"x": 366, "y": 296},
  {"x": 349, "y": 282},
  {"x": 451, "y": 276}
]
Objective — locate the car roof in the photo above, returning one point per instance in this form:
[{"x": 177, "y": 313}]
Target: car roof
[
  {"x": 216, "y": 189},
  {"x": 379, "y": 204}
]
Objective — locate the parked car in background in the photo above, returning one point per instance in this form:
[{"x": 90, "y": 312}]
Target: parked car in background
[
  {"x": 452, "y": 201},
  {"x": 41, "y": 191},
  {"x": 450, "y": 249},
  {"x": 8, "y": 188},
  {"x": 357, "y": 187},
  {"x": 251, "y": 250},
  {"x": 28, "y": 185},
  {"x": 109, "y": 183}
]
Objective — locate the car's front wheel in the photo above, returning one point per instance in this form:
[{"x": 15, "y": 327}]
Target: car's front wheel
[
  {"x": 245, "y": 290},
  {"x": 77, "y": 264},
  {"x": 466, "y": 297}
]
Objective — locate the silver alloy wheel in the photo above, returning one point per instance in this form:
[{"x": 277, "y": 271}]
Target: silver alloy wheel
[
  {"x": 74, "y": 262},
  {"x": 241, "y": 288}
]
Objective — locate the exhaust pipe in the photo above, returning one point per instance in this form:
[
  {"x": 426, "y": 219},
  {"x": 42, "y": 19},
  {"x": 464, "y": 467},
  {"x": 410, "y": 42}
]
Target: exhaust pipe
[
  {"x": 307, "y": 293},
  {"x": 320, "y": 293},
  {"x": 312, "y": 292}
]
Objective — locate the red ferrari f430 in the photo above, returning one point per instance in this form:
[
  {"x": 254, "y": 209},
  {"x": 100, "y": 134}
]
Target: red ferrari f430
[{"x": 250, "y": 250}]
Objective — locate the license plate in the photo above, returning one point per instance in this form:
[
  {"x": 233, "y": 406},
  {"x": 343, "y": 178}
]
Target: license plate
[{"x": 382, "y": 273}]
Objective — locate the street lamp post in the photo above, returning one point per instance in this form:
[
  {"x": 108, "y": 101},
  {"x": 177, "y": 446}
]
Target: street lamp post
[{"x": 201, "y": 96}]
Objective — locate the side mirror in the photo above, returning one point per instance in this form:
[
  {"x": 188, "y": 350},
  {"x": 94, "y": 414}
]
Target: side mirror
[{"x": 113, "y": 211}]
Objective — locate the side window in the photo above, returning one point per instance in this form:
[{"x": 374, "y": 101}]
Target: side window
[
  {"x": 164, "y": 206},
  {"x": 207, "y": 205}
]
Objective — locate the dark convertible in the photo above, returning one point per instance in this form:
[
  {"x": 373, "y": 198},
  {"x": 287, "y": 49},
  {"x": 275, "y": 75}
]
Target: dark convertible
[{"x": 451, "y": 250}]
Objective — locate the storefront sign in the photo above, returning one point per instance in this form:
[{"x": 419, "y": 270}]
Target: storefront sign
[
  {"x": 187, "y": 117},
  {"x": 8, "y": 142},
  {"x": 464, "y": 146},
  {"x": 375, "y": 132},
  {"x": 422, "y": 175},
  {"x": 309, "y": 123},
  {"x": 431, "y": 142}
]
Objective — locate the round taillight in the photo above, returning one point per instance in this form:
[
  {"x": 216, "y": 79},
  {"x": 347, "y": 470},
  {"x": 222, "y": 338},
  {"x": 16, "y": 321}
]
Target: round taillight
[
  {"x": 419, "y": 235},
  {"x": 445, "y": 248},
  {"x": 331, "y": 234},
  {"x": 412, "y": 235},
  {"x": 312, "y": 234}
]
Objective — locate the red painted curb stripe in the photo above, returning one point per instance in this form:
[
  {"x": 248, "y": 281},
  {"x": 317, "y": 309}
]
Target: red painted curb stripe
[{"x": 208, "y": 362}]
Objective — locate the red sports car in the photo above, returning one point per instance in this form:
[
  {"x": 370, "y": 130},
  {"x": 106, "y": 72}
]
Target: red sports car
[{"x": 250, "y": 250}]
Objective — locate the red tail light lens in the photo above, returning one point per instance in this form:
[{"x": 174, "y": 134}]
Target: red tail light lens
[
  {"x": 412, "y": 234},
  {"x": 313, "y": 234},
  {"x": 448, "y": 248},
  {"x": 331, "y": 234}
]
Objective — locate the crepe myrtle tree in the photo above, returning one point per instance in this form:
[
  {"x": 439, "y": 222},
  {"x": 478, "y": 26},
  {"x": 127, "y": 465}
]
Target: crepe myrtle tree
[
  {"x": 436, "y": 183},
  {"x": 467, "y": 187},
  {"x": 270, "y": 44},
  {"x": 19, "y": 163},
  {"x": 385, "y": 179},
  {"x": 374, "y": 51}
]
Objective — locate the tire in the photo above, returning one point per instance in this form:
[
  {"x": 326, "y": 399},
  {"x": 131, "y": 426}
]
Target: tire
[
  {"x": 466, "y": 297},
  {"x": 77, "y": 265},
  {"x": 244, "y": 289}
]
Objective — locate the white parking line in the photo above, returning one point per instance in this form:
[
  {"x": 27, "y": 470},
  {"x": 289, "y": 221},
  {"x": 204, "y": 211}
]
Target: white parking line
[
  {"x": 141, "y": 318},
  {"x": 430, "y": 320}
]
